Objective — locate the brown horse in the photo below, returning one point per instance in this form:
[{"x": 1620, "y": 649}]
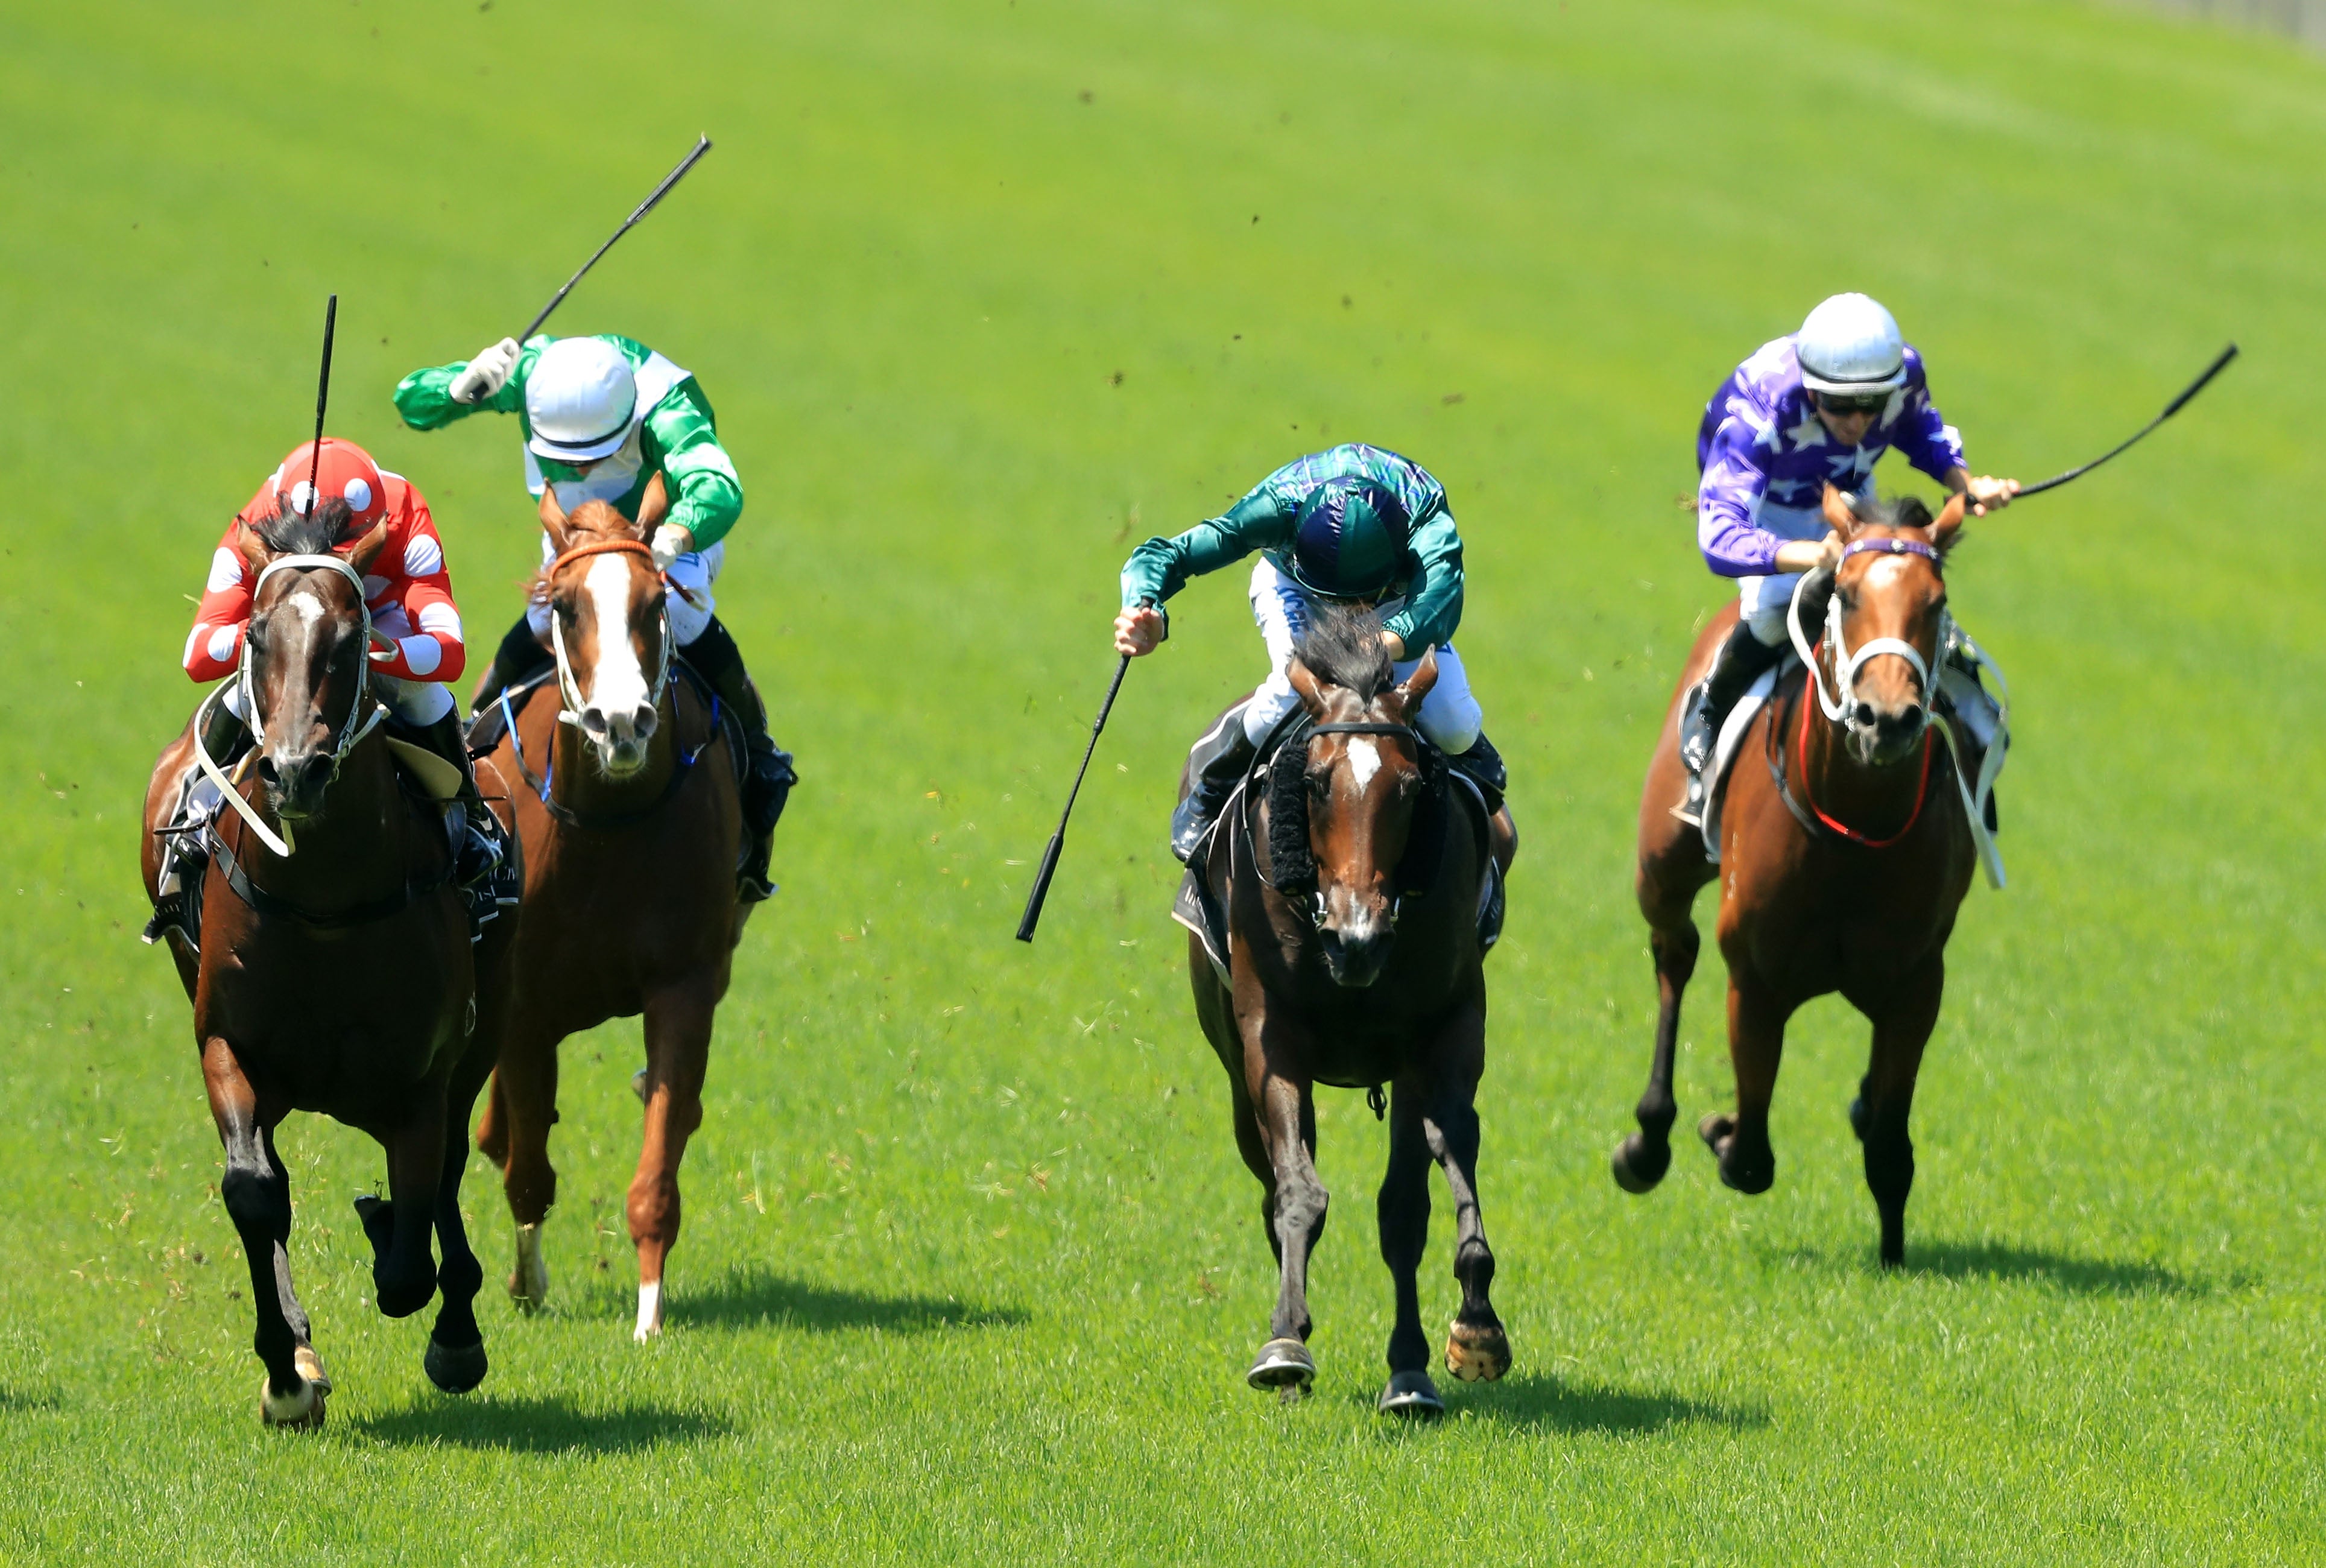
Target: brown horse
[
  {"x": 338, "y": 977},
  {"x": 1352, "y": 884},
  {"x": 632, "y": 823},
  {"x": 1845, "y": 852}
]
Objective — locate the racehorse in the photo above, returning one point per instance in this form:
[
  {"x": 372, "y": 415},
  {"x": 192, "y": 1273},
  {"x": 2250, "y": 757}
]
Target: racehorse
[
  {"x": 631, "y": 835},
  {"x": 338, "y": 977},
  {"x": 1352, "y": 881},
  {"x": 1841, "y": 865}
]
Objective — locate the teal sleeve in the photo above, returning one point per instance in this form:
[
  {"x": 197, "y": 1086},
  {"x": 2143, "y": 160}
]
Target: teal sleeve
[
  {"x": 1161, "y": 567},
  {"x": 706, "y": 495},
  {"x": 1433, "y": 606},
  {"x": 424, "y": 398}
]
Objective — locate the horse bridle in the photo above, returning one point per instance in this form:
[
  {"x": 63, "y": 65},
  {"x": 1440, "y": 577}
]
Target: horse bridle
[
  {"x": 569, "y": 690},
  {"x": 1848, "y": 662}
]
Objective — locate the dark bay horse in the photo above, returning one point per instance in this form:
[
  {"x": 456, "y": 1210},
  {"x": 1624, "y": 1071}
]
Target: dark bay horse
[
  {"x": 632, "y": 821},
  {"x": 1352, "y": 967},
  {"x": 339, "y": 977},
  {"x": 1845, "y": 854}
]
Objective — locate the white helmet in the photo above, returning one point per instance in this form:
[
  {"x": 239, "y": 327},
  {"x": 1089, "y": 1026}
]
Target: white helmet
[
  {"x": 579, "y": 399},
  {"x": 1849, "y": 346}
]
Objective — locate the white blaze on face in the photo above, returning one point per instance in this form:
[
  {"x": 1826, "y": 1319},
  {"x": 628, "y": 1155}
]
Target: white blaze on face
[
  {"x": 307, "y": 606},
  {"x": 617, "y": 686},
  {"x": 1364, "y": 762}
]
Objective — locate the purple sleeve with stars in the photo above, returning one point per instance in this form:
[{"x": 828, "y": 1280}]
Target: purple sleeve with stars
[{"x": 1761, "y": 441}]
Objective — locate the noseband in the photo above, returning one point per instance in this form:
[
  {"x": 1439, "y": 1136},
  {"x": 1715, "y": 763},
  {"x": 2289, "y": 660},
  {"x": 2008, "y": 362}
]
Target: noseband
[
  {"x": 1843, "y": 701},
  {"x": 569, "y": 690}
]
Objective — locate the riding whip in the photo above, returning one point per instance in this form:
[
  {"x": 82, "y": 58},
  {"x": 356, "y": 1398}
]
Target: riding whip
[
  {"x": 2171, "y": 409},
  {"x": 1058, "y": 839},
  {"x": 322, "y": 398},
  {"x": 644, "y": 207}
]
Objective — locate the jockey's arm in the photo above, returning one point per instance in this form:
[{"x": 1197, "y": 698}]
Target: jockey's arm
[
  {"x": 706, "y": 494},
  {"x": 214, "y": 647},
  {"x": 432, "y": 649},
  {"x": 424, "y": 398},
  {"x": 1433, "y": 606},
  {"x": 1161, "y": 567},
  {"x": 1986, "y": 491}
]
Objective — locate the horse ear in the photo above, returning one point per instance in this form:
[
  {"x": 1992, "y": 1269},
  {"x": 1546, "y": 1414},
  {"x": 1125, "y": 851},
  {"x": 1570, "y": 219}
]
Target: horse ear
[
  {"x": 1410, "y": 691},
  {"x": 1304, "y": 684},
  {"x": 1951, "y": 522},
  {"x": 553, "y": 520},
  {"x": 1838, "y": 513},
  {"x": 654, "y": 506},
  {"x": 251, "y": 549},
  {"x": 367, "y": 548}
]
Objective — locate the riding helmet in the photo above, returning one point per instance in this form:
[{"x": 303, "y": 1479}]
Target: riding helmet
[
  {"x": 1349, "y": 539},
  {"x": 1849, "y": 347},
  {"x": 579, "y": 399}
]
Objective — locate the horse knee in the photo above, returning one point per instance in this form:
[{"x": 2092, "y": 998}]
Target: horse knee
[{"x": 257, "y": 1200}]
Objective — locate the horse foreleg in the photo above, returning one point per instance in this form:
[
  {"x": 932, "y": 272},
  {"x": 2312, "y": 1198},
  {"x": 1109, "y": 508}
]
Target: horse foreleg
[
  {"x": 1641, "y": 1159},
  {"x": 256, "y": 1192},
  {"x": 1885, "y": 1097},
  {"x": 455, "y": 1358},
  {"x": 1286, "y": 1115},
  {"x": 678, "y": 1050},
  {"x": 403, "y": 1272},
  {"x": 1756, "y": 1046},
  {"x": 524, "y": 1094},
  {"x": 1475, "y": 1345},
  {"x": 1404, "y": 1211}
]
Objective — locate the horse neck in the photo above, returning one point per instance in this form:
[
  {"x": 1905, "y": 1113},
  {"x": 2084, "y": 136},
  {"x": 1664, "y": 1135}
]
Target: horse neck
[
  {"x": 581, "y": 788},
  {"x": 358, "y": 850}
]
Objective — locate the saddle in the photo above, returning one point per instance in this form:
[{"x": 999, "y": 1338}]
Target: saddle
[{"x": 1278, "y": 768}]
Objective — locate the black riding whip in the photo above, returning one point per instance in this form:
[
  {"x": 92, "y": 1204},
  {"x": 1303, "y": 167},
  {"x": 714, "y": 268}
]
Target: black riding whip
[
  {"x": 1058, "y": 839},
  {"x": 322, "y": 398},
  {"x": 644, "y": 207},
  {"x": 2171, "y": 409}
]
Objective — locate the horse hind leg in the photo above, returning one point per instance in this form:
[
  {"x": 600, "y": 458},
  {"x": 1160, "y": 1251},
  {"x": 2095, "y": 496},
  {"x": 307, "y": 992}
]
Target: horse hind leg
[
  {"x": 455, "y": 1358},
  {"x": 1642, "y": 1158},
  {"x": 678, "y": 1026},
  {"x": 256, "y": 1190},
  {"x": 1403, "y": 1210},
  {"x": 1476, "y": 1345},
  {"x": 1885, "y": 1099},
  {"x": 521, "y": 1109}
]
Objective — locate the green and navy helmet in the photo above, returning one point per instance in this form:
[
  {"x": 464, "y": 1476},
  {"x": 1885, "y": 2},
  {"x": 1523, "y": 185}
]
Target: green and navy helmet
[{"x": 1349, "y": 540}]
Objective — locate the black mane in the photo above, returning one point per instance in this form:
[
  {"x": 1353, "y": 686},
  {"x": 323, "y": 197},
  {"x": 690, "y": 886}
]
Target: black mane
[
  {"x": 1897, "y": 513},
  {"x": 288, "y": 533},
  {"x": 1341, "y": 646}
]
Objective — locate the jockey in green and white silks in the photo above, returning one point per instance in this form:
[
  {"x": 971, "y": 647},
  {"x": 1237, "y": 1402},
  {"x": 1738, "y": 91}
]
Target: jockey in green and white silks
[
  {"x": 1353, "y": 523},
  {"x": 602, "y": 416}
]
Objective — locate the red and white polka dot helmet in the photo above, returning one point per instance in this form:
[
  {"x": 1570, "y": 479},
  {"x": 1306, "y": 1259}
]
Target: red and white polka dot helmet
[{"x": 346, "y": 472}]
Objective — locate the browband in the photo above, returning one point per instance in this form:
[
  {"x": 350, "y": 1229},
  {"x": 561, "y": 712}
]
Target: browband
[
  {"x": 1891, "y": 547},
  {"x": 1370, "y": 728}
]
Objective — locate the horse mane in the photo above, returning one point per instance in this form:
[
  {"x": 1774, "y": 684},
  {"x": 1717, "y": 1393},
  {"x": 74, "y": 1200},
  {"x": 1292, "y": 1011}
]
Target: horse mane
[
  {"x": 289, "y": 533},
  {"x": 1904, "y": 513},
  {"x": 1341, "y": 646}
]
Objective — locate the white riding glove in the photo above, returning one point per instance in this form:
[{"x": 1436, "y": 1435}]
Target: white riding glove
[
  {"x": 671, "y": 541},
  {"x": 486, "y": 373}
]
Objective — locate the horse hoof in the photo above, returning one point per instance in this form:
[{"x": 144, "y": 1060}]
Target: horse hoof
[
  {"x": 1283, "y": 1364},
  {"x": 1638, "y": 1164},
  {"x": 300, "y": 1411},
  {"x": 1715, "y": 1127},
  {"x": 1477, "y": 1352},
  {"x": 311, "y": 1367},
  {"x": 454, "y": 1370},
  {"x": 1411, "y": 1394}
]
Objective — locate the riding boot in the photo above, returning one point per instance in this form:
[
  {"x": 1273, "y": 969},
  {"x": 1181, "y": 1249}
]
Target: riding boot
[
  {"x": 224, "y": 735},
  {"x": 1741, "y": 661},
  {"x": 519, "y": 655},
  {"x": 1483, "y": 766},
  {"x": 483, "y": 867},
  {"x": 1219, "y": 760},
  {"x": 768, "y": 780}
]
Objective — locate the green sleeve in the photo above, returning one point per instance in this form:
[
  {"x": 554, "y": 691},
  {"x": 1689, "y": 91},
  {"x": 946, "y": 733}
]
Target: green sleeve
[
  {"x": 1433, "y": 606},
  {"x": 706, "y": 496},
  {"x": 1161, "y": 567},
  {"x": 424, "y": 398}
]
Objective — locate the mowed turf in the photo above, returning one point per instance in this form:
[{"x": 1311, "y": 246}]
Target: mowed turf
[{"x": 984, "y": 293}]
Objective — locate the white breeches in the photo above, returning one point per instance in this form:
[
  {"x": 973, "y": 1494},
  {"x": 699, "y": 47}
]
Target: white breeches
[
  {"x": 695, "y": 572},
  {"x": 1449, "y": 714},
  {"x": 1762, "y": 600}
]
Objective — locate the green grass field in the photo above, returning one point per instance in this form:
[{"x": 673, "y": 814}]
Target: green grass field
[{"x": 984, "y": 292}]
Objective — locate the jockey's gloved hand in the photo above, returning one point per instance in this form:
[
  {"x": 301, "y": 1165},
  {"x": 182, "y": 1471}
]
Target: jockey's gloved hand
[
  {"x": 671, "y": 541},
  {"x": 486, "y": 373}
]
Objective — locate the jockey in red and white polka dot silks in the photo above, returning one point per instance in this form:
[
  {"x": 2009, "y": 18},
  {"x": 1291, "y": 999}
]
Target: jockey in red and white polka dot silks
[{"x": 408, "y": 589}]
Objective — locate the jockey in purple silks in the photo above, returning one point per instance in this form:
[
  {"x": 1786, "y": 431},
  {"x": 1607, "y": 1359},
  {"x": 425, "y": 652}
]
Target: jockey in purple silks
[{"x": 1816, "y": 407}]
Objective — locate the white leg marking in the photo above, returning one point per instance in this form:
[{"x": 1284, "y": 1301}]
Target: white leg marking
[
  {"x": 650, "y": 1312},
  {"x": 617, "y": 686},
  {"x": 532, "y": 1283},
  {"x": 1364, "y": 762}
]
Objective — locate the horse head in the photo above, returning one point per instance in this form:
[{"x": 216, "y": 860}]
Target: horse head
[
  {"x": 1885, "y": 621},
  {"x": 1364, "y": 776},
  {"x": 608, "y": 626},
  {"x": 304, "y": 673}
]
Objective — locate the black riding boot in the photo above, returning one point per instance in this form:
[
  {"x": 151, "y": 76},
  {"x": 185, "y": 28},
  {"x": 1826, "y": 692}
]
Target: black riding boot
[
  {"x": 519, "y": 655},
  {"x": 224, "y": 736},
  {"x": 1741, "y": 660},
  {"x": 1483, "y": 766},
  {"x": 483, "y": 868},
  {"x": 1219, "y": 759},
  {"x": 768, "y": 781}
]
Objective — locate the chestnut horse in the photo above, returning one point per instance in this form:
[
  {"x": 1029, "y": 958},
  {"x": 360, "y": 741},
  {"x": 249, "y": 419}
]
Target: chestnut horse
[
  {"x": 1845, "y": 852},
  {"x": 632, "y": 821},
  {"x": 338, "y": 977},
  {"x": 1353, "y": 965}
]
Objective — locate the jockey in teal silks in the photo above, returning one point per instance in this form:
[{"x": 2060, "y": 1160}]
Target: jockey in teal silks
[
  {"x": 603, "y": 416},
  {"x": 1354, "y": 524}
]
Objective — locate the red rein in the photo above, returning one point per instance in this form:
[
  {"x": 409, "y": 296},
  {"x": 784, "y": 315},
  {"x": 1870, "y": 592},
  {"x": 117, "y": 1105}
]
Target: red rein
[{"x": 1922, "y": 790}]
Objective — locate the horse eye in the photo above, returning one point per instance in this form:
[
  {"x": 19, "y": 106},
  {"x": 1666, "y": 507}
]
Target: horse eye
[{"x": 1320, "y": 785}]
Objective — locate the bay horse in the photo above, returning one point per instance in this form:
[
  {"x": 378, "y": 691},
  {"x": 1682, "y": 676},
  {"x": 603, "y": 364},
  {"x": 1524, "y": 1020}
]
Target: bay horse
[
  {"x": 1841, "y": 865},
  {"x": 631, "y": 836},
  {"x": 1349, "y": 965},
  {"x": 337, "y": 977}
]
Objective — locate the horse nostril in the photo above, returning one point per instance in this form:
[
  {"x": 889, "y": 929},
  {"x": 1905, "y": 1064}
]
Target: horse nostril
[
  {"x": 643, "y": 722},
  {"x": 1866, "y": 715},
  {"x": 593, "y": 723},
  {"x": 267, "y": 772}
]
